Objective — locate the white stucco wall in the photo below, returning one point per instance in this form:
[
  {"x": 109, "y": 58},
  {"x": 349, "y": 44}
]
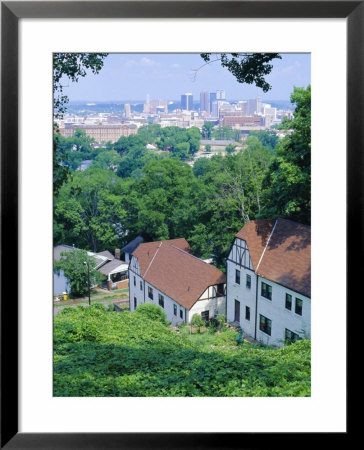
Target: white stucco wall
[{"x": 209, "y": 303}]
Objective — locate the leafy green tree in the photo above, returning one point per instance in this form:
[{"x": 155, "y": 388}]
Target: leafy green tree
[
  {"x": 161, "y": 200},
  {"x": 268, "y": 138},
  {"x": 69, "y": 66},
  {"x": 249, "y": 68},
  {"x": 207, "y": 130},
  {"x": 207, "y": 148},
  {"x": 74, "y": 265},
  {"x": 287, "y": 184},
  {"x": 107, "y": 160},
  {"x": 89, "y": 211},
  {"x": 230, "y": 148}
]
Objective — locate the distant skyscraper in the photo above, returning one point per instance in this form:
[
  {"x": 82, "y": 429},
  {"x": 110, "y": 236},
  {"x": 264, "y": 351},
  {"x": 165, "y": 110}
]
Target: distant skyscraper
[
  {"x": 204, "y": 101},
  {"x": 127, "y": 110},
  {"x": 220, "y": 95},
  {"x": 254, "y": 106},
  {"x": 212, "y": 99},
  {"x": 187, "y": 101}
]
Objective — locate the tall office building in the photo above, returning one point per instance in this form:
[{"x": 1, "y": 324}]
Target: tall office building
[
  {"x": 204, "y": 101},
  {"x": 212, "y": 99},
  {"x": 127, "y": 110},
  {"x": 254, "y": 106},
  {"x": 220, "y": 95},
  {"x": 187, "y": 101}
]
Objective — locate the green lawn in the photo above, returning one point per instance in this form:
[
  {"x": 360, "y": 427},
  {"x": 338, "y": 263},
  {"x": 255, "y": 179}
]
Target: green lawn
[{"x": 101, "y": 353}]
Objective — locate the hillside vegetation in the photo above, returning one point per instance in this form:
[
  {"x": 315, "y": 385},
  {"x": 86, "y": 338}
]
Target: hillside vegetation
[{"x": 103, "y": 353}]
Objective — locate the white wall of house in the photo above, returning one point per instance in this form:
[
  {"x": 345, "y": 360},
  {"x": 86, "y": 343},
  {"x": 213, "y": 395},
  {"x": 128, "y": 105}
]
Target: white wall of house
[
  {"x": 275, "y": 309},
  {"x": 136, "y": 284},
  {"x": 173, "y": 309},
  {"x": 208, "y": 302},
  {"x": 282, "y": 317}
]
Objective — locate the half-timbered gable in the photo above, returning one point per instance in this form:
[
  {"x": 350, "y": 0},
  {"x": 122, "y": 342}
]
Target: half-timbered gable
[{"x": 239, "y": 254}]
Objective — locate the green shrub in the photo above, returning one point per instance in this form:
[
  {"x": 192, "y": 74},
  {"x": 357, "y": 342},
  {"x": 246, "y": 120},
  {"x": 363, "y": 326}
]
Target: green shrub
[
  {"x": 152, "y": 312},
  {"x": 197, "y": 321}
]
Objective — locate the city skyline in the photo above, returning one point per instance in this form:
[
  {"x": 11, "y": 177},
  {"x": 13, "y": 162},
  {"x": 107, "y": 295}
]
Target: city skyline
[{"x": 133, "y": 77}]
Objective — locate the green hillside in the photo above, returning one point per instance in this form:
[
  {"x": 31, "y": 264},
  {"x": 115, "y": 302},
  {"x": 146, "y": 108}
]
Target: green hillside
[{"x": 98, "y": 353}]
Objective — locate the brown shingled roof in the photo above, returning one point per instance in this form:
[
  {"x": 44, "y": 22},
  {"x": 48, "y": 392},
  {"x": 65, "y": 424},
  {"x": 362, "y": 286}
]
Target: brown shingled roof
[
  {"x": 170, "y": 268},
  {"x": 281, "y": 252}
]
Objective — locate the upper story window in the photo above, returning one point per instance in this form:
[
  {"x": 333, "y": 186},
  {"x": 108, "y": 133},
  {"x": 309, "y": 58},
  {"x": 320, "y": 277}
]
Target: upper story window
[
  {"x": 161, "y": 300},
  {"x": 220, "y": 290},
  {"x": 181, "y": 313},
  {"x": 134, "y": 281},
  {"x": 237, "y": 276},
  {"x": 289, "y": 301},
  {"x": 247, "y": 313},
  {"x": 298, "y": 306},
  {"x": 150, "y": 292},
  {"x": 248, "y": 281},
  {"x": 266, "y": 291},
  {"x": 141, "y": 285},
  {"x": 265, "y": 325},
  {"x": 175, "y": 310}
]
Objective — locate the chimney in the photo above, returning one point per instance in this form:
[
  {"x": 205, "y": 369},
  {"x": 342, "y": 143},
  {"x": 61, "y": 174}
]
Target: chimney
[{"x": 117, "y": 253}]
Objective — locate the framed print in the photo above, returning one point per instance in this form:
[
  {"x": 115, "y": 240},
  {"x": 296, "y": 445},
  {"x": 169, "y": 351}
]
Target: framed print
[{"x": 31, "y": 415}]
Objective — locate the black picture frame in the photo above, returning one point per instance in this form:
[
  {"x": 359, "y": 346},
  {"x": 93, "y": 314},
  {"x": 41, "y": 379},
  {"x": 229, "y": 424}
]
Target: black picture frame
[{"x": 11, "y": 12}]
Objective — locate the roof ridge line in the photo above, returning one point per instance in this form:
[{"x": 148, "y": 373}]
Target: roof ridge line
[
  {"x": 266, "y": 245},
  {"x": 159, "y": 246}
]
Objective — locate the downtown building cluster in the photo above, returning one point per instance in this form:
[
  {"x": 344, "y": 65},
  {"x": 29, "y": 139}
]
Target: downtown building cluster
[{"x": 241, "y": 115}]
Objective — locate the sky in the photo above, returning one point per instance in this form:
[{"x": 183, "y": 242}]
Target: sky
[{"x": 128, "y": 76}]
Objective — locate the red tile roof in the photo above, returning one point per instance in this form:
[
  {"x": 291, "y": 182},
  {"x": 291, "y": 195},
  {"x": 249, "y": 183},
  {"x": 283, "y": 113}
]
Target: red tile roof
[
  {"x": 170, "y": 268},
  {"x": 280, "y": 251}
]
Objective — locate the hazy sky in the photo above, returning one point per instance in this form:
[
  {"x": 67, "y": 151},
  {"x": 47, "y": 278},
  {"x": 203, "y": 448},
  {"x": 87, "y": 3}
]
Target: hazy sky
[{"x": 127, "y": 76}]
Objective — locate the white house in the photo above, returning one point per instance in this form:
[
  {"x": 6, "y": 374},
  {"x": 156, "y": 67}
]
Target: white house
[
  {"x": 269, "y": 280},
  {"x": 114, "y": 270},
  {"x": 167, "y": 274}
]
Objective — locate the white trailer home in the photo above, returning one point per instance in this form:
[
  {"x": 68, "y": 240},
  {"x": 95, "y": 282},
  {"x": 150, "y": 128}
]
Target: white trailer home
[
  {"x": 167, "y": 274},
  {"x": 269, "y": 280}
]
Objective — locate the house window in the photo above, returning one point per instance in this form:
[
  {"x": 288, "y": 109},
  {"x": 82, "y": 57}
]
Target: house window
[
  {"x": 205, "y": 316},
  {"x": 175, "y": 310},
  {"x": 265, "y": 325},
  {"x": 290, "y": 336},
  {"x": 247, "y": 313},
  {"x": 266, "y": 291},
  {"x": 248, "y": 281},
  {"x": 134, "y": 281},
  {"x": 289, "y": 301},
  {"x": 135, "y": 302},
  {"x": 150, "y": 292},
  {"x": 220, "y": 290},
  {"x": 181, "y": 313},
  {"x": 141, "y": 285},
  {"x": 161, "y": 300},
  {"x": 298, "y": 307},
  {"x": 237, "y": 276}
]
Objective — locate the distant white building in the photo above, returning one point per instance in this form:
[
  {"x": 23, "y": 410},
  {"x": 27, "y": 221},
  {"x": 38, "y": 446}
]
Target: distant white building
[
  {"x": 269, "y": 280},
  {"x": 165, "y": 273}
]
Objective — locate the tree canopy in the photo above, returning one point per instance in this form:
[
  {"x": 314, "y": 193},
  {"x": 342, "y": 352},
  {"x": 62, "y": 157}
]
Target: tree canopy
[{"x": 249, "y": 68}]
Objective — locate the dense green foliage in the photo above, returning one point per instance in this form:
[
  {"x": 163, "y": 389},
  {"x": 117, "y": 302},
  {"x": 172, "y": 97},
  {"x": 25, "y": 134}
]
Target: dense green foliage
[
  {"x": 75, "y": 265},
  {"x": 99, "y": 353},
  {"x": 152, "y": 312},
  {"x": 287, "y": 184}
]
